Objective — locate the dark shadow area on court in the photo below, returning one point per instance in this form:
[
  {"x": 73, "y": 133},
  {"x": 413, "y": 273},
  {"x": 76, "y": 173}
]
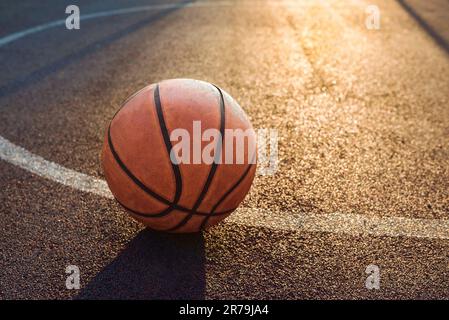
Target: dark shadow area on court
[
  {"x": 426, "y": 24},
  {"x": 39, "y": 74},
  {"x": 154, "y": 265}
]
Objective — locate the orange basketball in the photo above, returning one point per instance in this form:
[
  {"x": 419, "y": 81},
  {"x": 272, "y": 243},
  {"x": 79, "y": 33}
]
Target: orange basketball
[{"x": 158, "y": 149}]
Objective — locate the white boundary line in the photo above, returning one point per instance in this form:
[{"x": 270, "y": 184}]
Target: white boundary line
[
  {"x": 20, "y": 34},
  {"x": 351, "y": 224},
  {"x": 33, "y": 163},
  {"x": 343, "y": 223}
]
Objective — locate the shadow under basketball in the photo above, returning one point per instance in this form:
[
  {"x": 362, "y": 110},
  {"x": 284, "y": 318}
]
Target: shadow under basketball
[{"x": 154, "y": 265}]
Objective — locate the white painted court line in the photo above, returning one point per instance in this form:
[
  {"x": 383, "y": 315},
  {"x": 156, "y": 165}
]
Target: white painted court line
[
  {"x": 20, "y": 34},
  {"x": 351, "y": 224}
]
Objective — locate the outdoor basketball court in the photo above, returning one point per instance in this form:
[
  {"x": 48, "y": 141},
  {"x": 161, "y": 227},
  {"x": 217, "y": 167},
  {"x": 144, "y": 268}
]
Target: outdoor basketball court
[{"x": 363, "y": 152}]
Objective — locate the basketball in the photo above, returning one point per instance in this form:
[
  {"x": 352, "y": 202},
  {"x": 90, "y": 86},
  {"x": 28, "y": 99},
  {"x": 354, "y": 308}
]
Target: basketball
[{"x": 179, "y": 155}]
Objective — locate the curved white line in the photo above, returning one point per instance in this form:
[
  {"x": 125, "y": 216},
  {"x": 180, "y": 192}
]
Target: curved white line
[
  {"x": 20, "y": 34},
  {"x": 26, "y": 160},
  {"x": 352, "y": 224},
  {"x": 17, "y": 35},
  {"x": 343, "y": 223}
]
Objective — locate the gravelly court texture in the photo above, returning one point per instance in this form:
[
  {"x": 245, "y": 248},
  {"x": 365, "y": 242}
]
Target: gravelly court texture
[{"x": 363, "y": 122}]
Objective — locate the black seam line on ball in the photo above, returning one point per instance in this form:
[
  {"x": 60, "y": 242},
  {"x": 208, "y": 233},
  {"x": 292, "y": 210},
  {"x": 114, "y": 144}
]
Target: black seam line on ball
[
  {"x": 144, "y": 187},
  {"x": 153, "y": 215},
  {"x": 130, "y": 175},
  {"x": 213, "y": 169},
  {"x": 168, "y": 145},
  {"x": 212, "y": 214}
]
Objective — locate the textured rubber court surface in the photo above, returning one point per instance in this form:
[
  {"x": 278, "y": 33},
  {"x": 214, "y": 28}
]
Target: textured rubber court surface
[{"x": 363, "y": 172}]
